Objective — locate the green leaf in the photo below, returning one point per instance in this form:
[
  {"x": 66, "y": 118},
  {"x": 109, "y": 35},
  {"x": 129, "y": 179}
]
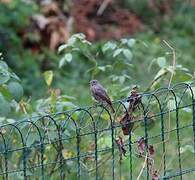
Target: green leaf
[
  {"x": 117, "y": 52},
  {"x": 102, "y": 68},
  {"x": 11, "y": 120},
  {"x": 4, "y": 76},
  {"x": 71, "y": 41},
  {"x": 124, "y": 41},
  {"x": 5, "y": 92},
  {"x": 14, "y": 76},
  {"x": 48, "y": 75},
  {"x": 3, "y": 65},
  {"x": 105, "y": 142},
  {"x": 108, "y": 46},
  {"x": 68, "y": 57},
  {"x": 80, "y": 36},
  {"x": 151, "y": 64},
  {"x": 171, "y": 69},
  {"x": 127, "y": 88},
  {"x": 62, "y": 47},
  {"x": 67, "y": 154},
  {"x": 180, "y": 67},
  {"x": 16, "y": 90},
  {"x": 64, "y": 105},
  {"x": 122, "y": 79},
  {"x": 128, "y": 54},
  {"x": 161, "y": 62},
  {"x": 131, "y": 42},
  {"x": 75, "y": 49},
  {"x": 160, "y": 73},
  {"x": 32, "y": 137},
  {"x": 86, "y": 42},
  {"x": 68, "y": 104},
  {"x": 128, "y": 64},
  {"x": 62, "y": 62},
  {"x": 187, "y": 109},
  {"x": 4, "y": 107},
  {"x": 66, "y": 97},
  {"x": 114, "y": 77},
  {"x": 188, "y": 148}
]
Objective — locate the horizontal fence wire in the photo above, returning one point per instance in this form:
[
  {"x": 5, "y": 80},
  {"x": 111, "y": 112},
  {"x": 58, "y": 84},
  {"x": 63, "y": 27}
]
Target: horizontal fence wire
[{"x": 150, "y": 136}]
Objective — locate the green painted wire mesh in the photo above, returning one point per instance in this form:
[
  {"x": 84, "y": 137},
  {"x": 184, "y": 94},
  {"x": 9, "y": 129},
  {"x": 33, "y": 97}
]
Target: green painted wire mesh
[{"x": 82, "y": 143}]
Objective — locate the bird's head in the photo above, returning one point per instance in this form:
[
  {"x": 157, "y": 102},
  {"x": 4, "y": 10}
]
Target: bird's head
[{"x": 93, "y": 82}]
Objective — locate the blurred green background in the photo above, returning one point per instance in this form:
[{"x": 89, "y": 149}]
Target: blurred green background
[{"x": 50, "y": 50}]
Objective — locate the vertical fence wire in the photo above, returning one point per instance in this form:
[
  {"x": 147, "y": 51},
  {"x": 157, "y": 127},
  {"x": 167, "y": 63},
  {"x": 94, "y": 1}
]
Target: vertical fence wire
[
  {"x": 113, "y": 148},
  {"x": 78, "y": 152},
  {"x": 5, "y": 156},
  {"x": 193, "y": 114},
  {"x": 130, "y": 158},
  {"x": 146, "y": 142},
  {"x": 177, "y": 132},
  {"x": 162, "y": 134}
]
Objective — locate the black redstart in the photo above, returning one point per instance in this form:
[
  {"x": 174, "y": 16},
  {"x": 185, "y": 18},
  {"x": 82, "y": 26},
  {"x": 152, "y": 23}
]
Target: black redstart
[{"x": 100, "y": 94}]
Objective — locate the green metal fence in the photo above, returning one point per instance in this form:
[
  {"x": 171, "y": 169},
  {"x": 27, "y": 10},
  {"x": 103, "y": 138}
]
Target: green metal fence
[{"x": 150, "y": 136}]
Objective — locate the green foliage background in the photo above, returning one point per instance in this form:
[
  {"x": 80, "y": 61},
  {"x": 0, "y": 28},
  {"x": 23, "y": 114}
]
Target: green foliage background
[{"x": 141, "y": 59}]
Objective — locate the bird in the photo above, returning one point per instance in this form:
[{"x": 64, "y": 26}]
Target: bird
[{"x": 100, "y": 94}]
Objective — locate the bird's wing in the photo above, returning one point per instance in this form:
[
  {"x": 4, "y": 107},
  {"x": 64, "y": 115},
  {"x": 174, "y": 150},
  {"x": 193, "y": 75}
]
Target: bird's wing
[{"x": 99, "y": 91}]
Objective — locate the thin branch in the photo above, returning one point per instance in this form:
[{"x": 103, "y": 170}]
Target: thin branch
[
  {"x": 156, "y": 80},
  {"x": 169, "y": 113},
  {"x": 103, "y": 7},
  {"x": 142, "y": 169},
  {"x": 173, "y": 60}
]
